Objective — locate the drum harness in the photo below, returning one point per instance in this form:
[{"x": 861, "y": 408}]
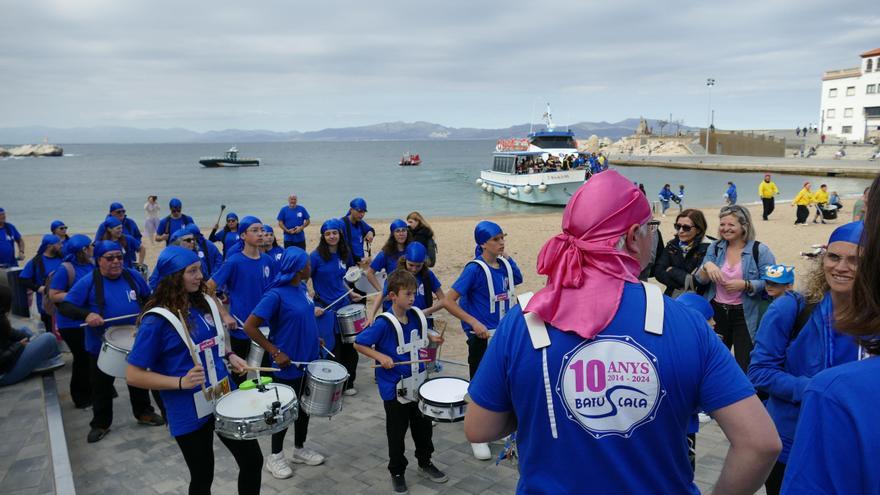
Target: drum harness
[
  {"x": 408, "y": 387},
  {"x": 541, "y": 339},
  {"x": 511, "y": 294}
]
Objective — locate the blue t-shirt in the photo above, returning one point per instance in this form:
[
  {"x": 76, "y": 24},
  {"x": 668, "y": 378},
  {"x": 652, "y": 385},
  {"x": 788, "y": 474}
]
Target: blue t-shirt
[
  {"x": 245, "y": 280},
  {"x": 130, "y": 251},
  {"x": 385, "y": 262},
  {"x": 61, "y": 283},
  {"x": 327, "y": 281},
  {"x": 382, "y": 335},
  {"x": 290, "y": 314},
  {"x": 471, "y": 286},
  {"x": 356, "y": 240},
  {"x": 837, "y": 442},
  {"x": 419, "y": 300},
  {"x": 227, "y": 237},
  {"x": 170, "y": 225},
  {"x": 621, "y": 401},
  {"x": 210, "y": 256},
  {"x": 293, "y": 217},
  {"x": 159, "y": 348},
  {"x": 129, "y": 227},
  {"x": 275, "y": 254},
  {"x": 8, "y": 236},
  {"x": 32, "y": 272},
  {"x": 119, "y": 299}
]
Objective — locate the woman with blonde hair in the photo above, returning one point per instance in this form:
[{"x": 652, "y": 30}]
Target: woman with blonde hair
[{"x": 422, "y": 232}]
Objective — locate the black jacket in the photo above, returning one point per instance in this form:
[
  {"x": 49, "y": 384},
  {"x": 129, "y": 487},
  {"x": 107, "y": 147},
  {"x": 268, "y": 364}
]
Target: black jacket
[
  {"x": 673, "y": 267},
  {"x": 10, "y": 348}
]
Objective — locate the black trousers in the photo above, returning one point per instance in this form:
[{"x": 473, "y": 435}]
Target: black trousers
[
  {"x": 47, "y": 321},
  {"x": 398, "y": 418},
  {"x": 773, "y": 485},
  {"x": 348, "y": 357},
  {"x": 80, "y": 373},
  {"x": 730, "y": 324},
  {"x": 300, "y": 426},
  {"x": 476, "y": 348},
  {"x": 102, "y": 397},
  {"x": 769, "y": 206},
  {"x": 802, "y": 214},
  {"x": 198, "y": 452},
  {"x": 300, "y": 244},
  {"x": 240, "y": 347}
]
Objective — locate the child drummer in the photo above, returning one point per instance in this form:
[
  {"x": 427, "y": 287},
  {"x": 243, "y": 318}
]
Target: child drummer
[{"x": 402, "y": 328}]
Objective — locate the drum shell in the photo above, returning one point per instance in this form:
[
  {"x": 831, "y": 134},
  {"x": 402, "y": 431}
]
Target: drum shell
[
  {"x": 251, "y": 427},
  {"x": 442, "y": 411},
  {"x": 322, "y": 397},
  {"x": 256, "y": 354},
  {"x": 112, "y": 359},
  {"x": 351, "y": 323}
]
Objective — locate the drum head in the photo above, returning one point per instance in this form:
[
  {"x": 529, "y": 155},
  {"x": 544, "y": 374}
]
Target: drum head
[
  {"x": 353, "y": 274},
  {"x": 363, "y": 284},
  {"x": 351, "y": 310},
  {"x": 121, "y": 336},
  {"x": 327, "y": 371},
  {"x": 249, "y": 403},
  {"x": 447, "y": 390}
]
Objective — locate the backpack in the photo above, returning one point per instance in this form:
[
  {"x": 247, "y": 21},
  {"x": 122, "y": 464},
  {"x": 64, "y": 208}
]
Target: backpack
[
  {"x": 48, "y": 306},
  {"x": 802, "y": 318},
  {"x": 98, "y": 282},
  {"x": 754, "y": 253}
]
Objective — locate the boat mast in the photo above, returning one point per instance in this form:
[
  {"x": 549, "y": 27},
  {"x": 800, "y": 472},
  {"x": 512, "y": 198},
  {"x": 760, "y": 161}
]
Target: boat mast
[{"x": 548, "y": 119}]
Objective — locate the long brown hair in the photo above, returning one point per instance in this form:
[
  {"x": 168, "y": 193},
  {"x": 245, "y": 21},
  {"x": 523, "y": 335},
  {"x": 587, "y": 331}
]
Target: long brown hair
[
  {"x": 390, "y": 247},
  {"x": 861, "y": 317},
  {"x": 699, "y": 220},
  {"x": 172, "y": 295},
  {"x": 422, "y": 222}
]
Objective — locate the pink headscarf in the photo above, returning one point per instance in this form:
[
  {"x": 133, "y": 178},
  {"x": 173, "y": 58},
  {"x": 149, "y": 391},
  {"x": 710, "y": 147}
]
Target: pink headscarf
[{"x": 585, "y": 273}]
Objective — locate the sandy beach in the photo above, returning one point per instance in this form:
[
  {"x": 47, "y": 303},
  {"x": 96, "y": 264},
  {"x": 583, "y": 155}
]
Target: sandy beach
[{"x": 527, "y": 233}]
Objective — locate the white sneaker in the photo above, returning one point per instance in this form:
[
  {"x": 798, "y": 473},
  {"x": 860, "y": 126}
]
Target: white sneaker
[
  {"x": 278, "y": 466},
  {"x": 704, "y": 418},
  {"x": 350, "y": 391},
  {"x": 307, "y": 456},
  {"x": 481, "y": 451}
]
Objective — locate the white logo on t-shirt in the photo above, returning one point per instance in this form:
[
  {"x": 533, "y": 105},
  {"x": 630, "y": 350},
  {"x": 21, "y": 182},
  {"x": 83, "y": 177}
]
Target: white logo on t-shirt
[
  {"x": 299, "y": 214},
  {"x": 610, "y": 386},
  {"x": 132, "y": 296},
  {"x": 266, "y": 272},
  {"x": 341, "y": 265}
]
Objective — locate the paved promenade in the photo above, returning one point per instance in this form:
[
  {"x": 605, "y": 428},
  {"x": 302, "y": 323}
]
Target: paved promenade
[{"x": 818, "y": 167}]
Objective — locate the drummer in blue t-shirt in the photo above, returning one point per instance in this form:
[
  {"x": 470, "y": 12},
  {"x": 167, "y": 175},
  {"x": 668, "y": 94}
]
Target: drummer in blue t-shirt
[
  {"x": 386, "y": 259},
  {"x": 293, "y": 220},
  {"x": 356, "y": 232},
  {"x": 293, "y": 340},
  {"x": 429, "y": 294},
  {"x": 161, "y": 360}
]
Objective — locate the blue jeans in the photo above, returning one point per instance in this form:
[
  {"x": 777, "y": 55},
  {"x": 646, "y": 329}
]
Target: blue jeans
[
  {"x": 39, "y": 352},
  {"x": 664, "y": 205}
]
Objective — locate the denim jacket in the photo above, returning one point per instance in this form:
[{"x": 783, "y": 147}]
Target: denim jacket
[{"x": 751, "y": 273}]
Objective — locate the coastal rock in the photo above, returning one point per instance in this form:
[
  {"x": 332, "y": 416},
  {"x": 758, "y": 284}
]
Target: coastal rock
[
  {"x": 4, "y": 152},
  {"x": 35, "y": 150}
]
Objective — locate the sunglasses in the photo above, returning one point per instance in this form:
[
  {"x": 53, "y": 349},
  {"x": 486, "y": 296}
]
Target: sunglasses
[
  {"x": 62, "y": 228},
  {"x": 112, "y": 257},
  {"x": 175, "y": 209},
  {"x": 683, "y": 228},
  {"x": 119, "y": 211},
  {"x": 729, "y": 208},
  {"x": 187, "y": 239}
]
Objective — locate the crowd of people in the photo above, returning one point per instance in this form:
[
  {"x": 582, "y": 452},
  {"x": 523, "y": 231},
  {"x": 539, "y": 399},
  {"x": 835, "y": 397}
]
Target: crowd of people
[{"x": 588, "y": 373}]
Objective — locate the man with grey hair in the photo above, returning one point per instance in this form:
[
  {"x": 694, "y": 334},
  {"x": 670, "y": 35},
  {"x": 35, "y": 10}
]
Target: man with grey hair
[{"x": 292, "y": 220}]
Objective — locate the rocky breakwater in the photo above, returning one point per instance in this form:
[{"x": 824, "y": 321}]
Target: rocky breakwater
[{"x": 33, "y": 150}]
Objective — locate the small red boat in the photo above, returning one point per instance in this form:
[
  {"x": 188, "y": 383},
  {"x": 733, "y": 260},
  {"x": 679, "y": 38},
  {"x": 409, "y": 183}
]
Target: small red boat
[{"x": 408, "y": 160}]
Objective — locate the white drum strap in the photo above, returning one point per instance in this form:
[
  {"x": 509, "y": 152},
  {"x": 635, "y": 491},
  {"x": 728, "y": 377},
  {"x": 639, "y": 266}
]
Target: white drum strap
[
  {"x": 540, "y": 340},
  {"x": 418, "y": 340},
  {"x": 653, "y": 309},
  {"x": 218, "y": 325},
  {"x": 187, "y": 341},
  {"x": 511, "y": 294}
]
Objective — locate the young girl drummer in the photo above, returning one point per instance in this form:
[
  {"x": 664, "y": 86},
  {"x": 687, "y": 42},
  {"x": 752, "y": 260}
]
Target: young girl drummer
[
  {"x": 293, "y": 339},
  {"x": 429, "y": 295},
  {"x": 162, "y": 360},
  {"x": 393, "y": 249}
]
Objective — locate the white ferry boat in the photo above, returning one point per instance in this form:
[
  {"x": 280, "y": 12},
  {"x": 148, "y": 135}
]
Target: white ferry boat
[{"x": 539, "y": 170}]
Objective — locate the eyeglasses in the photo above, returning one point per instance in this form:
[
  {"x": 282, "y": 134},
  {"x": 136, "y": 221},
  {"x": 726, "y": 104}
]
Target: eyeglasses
[
  {"x": 112, "y": 257},
  {"x": 683, "y": 228},
  {"x": 187, "y": 239},
  {"x": 653, "y": 225},
  {"x": 175, "y": 209},
  {"x": 833, "y": 259},
  {"x": 401, "y": 230},
  {"x": 731, "y": 208},
  {"x": 62, "y": 228}
]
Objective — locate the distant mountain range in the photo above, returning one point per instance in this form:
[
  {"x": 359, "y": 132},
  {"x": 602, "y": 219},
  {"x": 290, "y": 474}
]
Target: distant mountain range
[{"x": 388, "y": 131}]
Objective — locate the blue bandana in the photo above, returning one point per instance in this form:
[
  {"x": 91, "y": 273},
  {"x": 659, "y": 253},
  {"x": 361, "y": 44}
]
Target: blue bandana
[
  {"x": 48, "y": 240},
  {"x": 292, "y": 261},
  {"x": 183, "y": 231},
  {"x": 359, "y": 204},
  {"x": 55, "y": 225},
  {"x": 850, "y": 232},
  {"x": 174, "y": 259},
  {"x": 484, "y": 231},
  {"x": 246, "y": 222},
  {"x": 104, "y": 247},
  {"x": 193, "y": 229},
  {"x": 697, "y": 303},
  {"x": 112, "y": 222},
  {"x": 230, "y": 216},
  {"x": 398, "y": 224},
  {"x": 416, "y": 252},
  {"x": 332, "y": 224},
  {"x": 74, "y": 245},
  {"x": 175, "y": 203},
  {"x": 268, "y": 229},
  {"x": 116, "y": 206}
]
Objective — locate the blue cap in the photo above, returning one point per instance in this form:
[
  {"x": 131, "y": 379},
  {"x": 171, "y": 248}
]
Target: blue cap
[
  {"x": 332, "y": 224},
  {"x": 850, "y": 232},
  {"x": 484, "y": 231},
  {"x": 398, "y": 224},
  {"x": 116, "y": 206},
  {"x": 193, "y": 229},
  {"x": 48, "y": 240},
  {"x": 178, "y": 234},
  {"x": 175, "y": 203},
  {"x": 698, "y": 303},
  {"x": 292, "y": 261},
  {"x": 230, "y": 216},
  {"x": 416, "y": 252},
  {"x": 246, "y": 222},
  {"x": 2, "y": 210},
  {"x": 779, "y": 274},
  {"x": 359, "y": 204},
  {"x": 56, "y": 224},
  {"x": 104, "y": 247},
  {"x": 74, "y": 245},
  {"x": 268, "y": 229},
  {"x": 112, "y": 222},
  {"x": 173, "y": 259}
]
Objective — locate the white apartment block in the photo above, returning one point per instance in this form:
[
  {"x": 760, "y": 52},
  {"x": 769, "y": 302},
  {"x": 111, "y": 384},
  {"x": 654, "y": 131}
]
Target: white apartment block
[{"x": 851, "y": 100}]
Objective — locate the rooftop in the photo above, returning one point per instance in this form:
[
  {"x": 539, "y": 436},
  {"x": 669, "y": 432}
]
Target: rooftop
[{"x": 875, "y": 51}]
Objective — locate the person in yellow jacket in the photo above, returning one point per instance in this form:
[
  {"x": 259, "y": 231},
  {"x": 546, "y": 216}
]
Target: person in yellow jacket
[
  {"x": 767, "y": 190},
  {"x": 821, "y": 200},
  {"x": 803, "y": 200}
]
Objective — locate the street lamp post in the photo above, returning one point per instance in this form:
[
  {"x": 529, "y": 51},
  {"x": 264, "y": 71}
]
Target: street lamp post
[{"x": 709, "y": 83}]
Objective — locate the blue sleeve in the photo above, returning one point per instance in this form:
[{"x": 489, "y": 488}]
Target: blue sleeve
[
  {"x": 371, "y": 335},
  {"x": 489, "y": 387},
  {"x": 135, "y": 231},
  {"x": 305, "y": 213},
  {"x": 27, "y": 273},
  {"x": 435, "y": 282},
  {"x": 148, "y": 342},
  {"x": 222, "y": 274},
  {"x": 280, "y": 216},
  {"x": 517, "y": 274},
  {"x": 215, "y": 256},
  {"x": 366, "y": 227},
  {"x": 315, "y": 261},
  {"x": 767, "y": 368},
  {"x": 723, "y": 383},
  {"x": 79, "y": 293},
  {"x": 765, "y": 259},
  {"x": 135, "y": 243},
  {"x": 160, "y": 229},
  {"x": 15, "y": 235},
  {"x": 466, "y": 280},
  {"x": 267, "y": 306},
  {"x": 821, "y": 459},
  {"x": 378, "y": 262},
  {"x": 60, "y": 280}
]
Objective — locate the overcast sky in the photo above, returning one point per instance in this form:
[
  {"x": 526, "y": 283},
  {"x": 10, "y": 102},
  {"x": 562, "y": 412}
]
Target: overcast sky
[{"x": 289, "y": 65}]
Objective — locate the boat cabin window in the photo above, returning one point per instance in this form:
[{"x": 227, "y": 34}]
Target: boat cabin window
[
  {"x": 505, "y": 164},
  {"x": 553, "y": 142}
]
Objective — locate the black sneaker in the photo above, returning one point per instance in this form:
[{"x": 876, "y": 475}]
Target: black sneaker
[
  {"x": 150, "y": 419},
  {"x": 96, "y": 434},
  {"x": 398, "y": 484},
  {"x": 431, "y": 472}
]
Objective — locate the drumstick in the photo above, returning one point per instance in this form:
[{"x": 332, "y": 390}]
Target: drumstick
[
  {"x": 190, "y": 346},
  {"x": 328, "y": 352},
  {"x": 398, "y": 363},
  {"x": 337, "y": 300},
  {"x": 115, "y": 318},
  {"x": 261, "y": 368}
]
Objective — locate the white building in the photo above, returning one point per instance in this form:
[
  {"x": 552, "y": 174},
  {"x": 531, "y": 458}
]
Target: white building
[{"x": 851, "y": 100}]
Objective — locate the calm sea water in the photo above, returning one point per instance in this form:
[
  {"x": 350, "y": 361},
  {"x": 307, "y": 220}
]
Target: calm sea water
[{"x": 79, "y": 187}]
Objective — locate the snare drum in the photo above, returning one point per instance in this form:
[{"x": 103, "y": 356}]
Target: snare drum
[
  {"x": 363, "y": 283},
  {"x": 442, "y": 399},
  {"x": 322, "y": 393},
  {"x": 352, "y": 319},
  {"x": 256, "y": 353},
  {"x": 118, "y": 341},
  {"x": 247, "y": 414}
]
